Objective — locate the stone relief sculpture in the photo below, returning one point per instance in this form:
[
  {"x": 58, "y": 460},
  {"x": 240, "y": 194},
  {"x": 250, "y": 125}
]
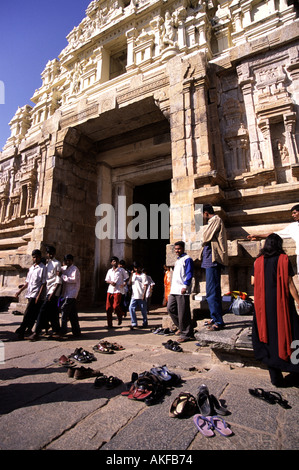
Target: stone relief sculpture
[{"x": 168, "y": 31}]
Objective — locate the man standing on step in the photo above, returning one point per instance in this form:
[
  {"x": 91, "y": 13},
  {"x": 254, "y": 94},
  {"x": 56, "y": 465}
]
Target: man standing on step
[{"x": 213, "y": 257}]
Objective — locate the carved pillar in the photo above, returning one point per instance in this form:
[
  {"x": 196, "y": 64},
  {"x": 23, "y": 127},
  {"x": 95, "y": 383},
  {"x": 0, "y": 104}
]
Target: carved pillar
[
  {"x": 201, "y": 131},
  {"x": 122, "y": 199},
  {"x": 181, "y": 29},
  {"x": 130, "y": 48},
  {"x": 289, "y": 120},
  {"x": 102, "y": 242},
  {"x": 3, "y": 207},
  {"x": 188, "y": 124},
  {"x": 264, "y": 126},
  {"x": 246, "y": 84},
  {"x": 289, "y": 125}
]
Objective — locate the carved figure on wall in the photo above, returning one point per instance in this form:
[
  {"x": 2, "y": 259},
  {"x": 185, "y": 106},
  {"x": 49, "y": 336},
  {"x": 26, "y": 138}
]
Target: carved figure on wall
[
  {"x": 168, "y": 33},
  {"x": 283, "y": 152},
  {"x": 75, "y": 80}
]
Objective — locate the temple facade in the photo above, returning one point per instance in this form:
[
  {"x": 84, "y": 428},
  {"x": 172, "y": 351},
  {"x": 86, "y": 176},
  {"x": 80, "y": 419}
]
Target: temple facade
[{"x": 155, "y": 103}]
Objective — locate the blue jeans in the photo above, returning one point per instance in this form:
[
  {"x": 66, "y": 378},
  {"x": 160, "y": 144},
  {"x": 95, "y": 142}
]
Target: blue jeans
[
  {"x": 132, "y": 308},
  {"x": 213, "y": 292}
]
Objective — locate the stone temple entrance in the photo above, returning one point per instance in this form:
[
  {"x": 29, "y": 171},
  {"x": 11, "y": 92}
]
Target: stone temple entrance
[
  {"x": 133, "y": 169},
  {"x": 151, "y": 251}
]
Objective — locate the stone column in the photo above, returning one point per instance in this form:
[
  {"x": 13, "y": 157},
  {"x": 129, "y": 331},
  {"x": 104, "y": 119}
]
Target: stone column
[
  {"x": 201, "y": 131},
  {"x": 289, "y": 125},
  {"x": 290, "y": 120},
  {"x": 246, "y": 84},
  {"x": 122, "y": 199},
  {"x": 130, "y": 48},
  {"x": 264, "y": 126},
  {"x": 102, "y": 243}
]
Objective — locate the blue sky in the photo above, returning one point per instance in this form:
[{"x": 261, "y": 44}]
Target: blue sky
[{"x": 32, "y": 32}]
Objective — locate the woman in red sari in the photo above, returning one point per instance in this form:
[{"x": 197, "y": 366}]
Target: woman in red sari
[
  {"x": 276, "y": 322},
  {"x": 167, "y": 284}
]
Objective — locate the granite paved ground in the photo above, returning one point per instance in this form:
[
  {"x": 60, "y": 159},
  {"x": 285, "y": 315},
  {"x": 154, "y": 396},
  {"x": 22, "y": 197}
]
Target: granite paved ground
[{"x": 42, "y": 408}]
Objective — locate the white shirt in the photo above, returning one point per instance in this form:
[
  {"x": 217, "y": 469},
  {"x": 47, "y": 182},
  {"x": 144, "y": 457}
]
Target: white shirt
[
  {"x": 179, "y": 276},
  {"x": 118, "y": 275},
  {"x": 139, "y": 281},
  {"x": 150, "y": 285},
  {"x": 291, "y": 231},
  {"x": 71, "y": 282},
  {"x": 53, "y": 268},
  {"x": 35, "y": 278}
]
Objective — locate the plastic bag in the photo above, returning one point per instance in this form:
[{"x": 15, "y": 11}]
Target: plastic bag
[{"x": 241, "y": 307}]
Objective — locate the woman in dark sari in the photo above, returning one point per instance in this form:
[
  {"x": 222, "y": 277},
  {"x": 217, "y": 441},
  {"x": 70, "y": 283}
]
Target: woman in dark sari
[{"x": 275, "y": 322}]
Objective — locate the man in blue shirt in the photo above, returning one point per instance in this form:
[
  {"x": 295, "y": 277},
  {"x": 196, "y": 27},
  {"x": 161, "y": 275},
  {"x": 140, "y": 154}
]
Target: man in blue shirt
[
  {"x": 179, "y": 298},
  {"x": 214, "y": 257}
]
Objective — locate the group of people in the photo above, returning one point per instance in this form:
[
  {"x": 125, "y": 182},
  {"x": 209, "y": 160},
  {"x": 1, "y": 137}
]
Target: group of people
[
  {"x": 275, "y": 322},
  {"x": 128, "y": 290},
  {"x": 213, "y": 257},
  {"x": 51, "y": 287}
]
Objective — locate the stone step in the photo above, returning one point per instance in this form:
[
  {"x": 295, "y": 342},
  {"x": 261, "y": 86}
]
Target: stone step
[{"x": 233, "y": 343}]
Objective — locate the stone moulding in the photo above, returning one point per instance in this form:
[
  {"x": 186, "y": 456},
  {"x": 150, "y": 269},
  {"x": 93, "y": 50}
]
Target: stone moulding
[
  {"x": 143, "y": 90},
  {"x": 92, "y": 111}
]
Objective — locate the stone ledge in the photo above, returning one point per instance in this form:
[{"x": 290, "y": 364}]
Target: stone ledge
[{"x": 233, "y": 343}]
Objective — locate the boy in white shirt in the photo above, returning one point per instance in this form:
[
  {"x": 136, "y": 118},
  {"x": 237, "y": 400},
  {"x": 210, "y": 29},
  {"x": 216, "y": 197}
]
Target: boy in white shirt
[
  {"x": 70, "y": 290},
  {"x": 35, "y": 283},
  {"x": 49, "y": 310},
  {"x": 115, "y": 278},
  {"x": 139, "y": 284}
]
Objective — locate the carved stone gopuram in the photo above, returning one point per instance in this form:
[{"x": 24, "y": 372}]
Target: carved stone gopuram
[{"x": 177, "y": 102}]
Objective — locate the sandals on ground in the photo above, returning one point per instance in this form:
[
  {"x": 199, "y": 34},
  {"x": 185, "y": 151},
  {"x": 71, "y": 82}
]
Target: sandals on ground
[
  {"x": 184, "y": 405},
  {"x": 100, "y": 348},
  {"x": 82, "y": 356},
  {"x": 166, "y": 375},
  {"x": 207, "y": 424},
  {"x": 109, "y": 382},
  {"x": 270, "y": 397},
  {"x": 173, "y": 346},
  {"x": 65, "y": 361},
  {"x": 107, "y": 348}
]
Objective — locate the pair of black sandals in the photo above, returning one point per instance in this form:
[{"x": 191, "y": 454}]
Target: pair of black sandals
[
  {"x": 208, "y": 404},
  {"x": 82, "y": 356},
  {"x": 173, "y": 346},
  {"x": 270, "y": 397}
]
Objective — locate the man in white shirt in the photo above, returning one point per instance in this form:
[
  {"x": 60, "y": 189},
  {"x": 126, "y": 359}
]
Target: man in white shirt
[
  {"x": 139, "y": 284},
  {"x": 290, "y": 231},
  {"x": 115, "y": 278},
  {"x": 178, "y": 305},
  {"x": 35, "y": 283},
  {"x": 49, "y": 312},
  {"x": 70, "y": 290}
]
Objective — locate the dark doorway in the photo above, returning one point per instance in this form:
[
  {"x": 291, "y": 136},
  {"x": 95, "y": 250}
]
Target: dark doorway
[{"x": 151, "y": 252}]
